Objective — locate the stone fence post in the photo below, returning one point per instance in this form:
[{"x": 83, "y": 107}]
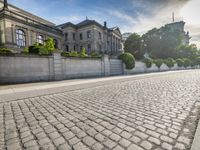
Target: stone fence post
[
  {"x": 57, "y": 65},
  {"x": 106, "y": 65}
]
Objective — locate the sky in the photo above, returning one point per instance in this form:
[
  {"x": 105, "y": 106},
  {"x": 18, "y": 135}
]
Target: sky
[{"x": 130, "y": 15}]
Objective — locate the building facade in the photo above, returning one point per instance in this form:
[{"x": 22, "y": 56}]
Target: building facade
[
  {"x": 179, "y": 26},
  {"x": 21, "y": 29},
  {"x": 92, "y": 36}
]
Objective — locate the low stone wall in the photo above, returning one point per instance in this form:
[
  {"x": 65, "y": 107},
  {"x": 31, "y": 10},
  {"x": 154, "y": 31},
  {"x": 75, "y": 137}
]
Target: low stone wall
[
  {"x": 140, "y": 67},
  {"x": 82, "y": 67},
  {"x": 19, "y": 69},
  {"x": 16, "y": 69}
]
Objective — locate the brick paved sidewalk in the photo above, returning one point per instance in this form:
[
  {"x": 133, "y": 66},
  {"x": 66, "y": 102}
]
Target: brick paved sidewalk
[{"x": 153, "y": 113}]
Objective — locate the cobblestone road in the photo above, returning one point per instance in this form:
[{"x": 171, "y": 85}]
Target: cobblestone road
[{"x": 144, "y": 114}]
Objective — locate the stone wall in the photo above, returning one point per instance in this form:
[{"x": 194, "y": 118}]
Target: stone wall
[{"x": 19, "y": 69}]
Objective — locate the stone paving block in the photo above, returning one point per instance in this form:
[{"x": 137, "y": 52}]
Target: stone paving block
[
  {"x": 147, "y": 145},
  {"x": 109, "y": 143},
  {"x": 89, "y": 141},
  {"x": 183, "y": 139},
  {"x": 134, "y": 147},
  {"x": 124, "y": 143}
]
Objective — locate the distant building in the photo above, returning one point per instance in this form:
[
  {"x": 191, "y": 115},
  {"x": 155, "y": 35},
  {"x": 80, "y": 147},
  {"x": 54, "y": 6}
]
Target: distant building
[
  {"x": 21, "y": 29},
  {"x": 125, "y": 36},
  {"x": 180, "y": 27},
  {"x": 92, "y": 36}
]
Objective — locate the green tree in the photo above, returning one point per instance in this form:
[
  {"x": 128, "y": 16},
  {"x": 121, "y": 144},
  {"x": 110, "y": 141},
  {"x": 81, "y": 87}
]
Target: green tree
[
  {"x": 49, "y": 45},
  {"x": 163, "y": 42},
  {"x": 133, "y": 45}
]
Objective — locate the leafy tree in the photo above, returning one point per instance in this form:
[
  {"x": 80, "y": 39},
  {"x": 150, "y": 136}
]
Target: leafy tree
[
  {"x": 83, "y": 53},
  {"x": 128, "y": 59},
  {"x": 180, "y": 62},
  {"x": 187, "y": 62},
  {"x": 162, "y": 43},
  {"x": 187, "y": 51},
  {"x": 49, "y": 45},
  {"x": 133, "y": 45}
]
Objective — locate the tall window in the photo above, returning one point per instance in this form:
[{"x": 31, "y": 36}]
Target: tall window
[
  {"x": 100, "y": 35},
  {"x": 89, "y": 48},
  {"x": 66, "y": 36},
  {"x": 67, "y": 48},
  {"x": 40, "y": 39},
  {"x": 20, "y": 38},
  {"x": 81, "y": 36},
  {"x": 74, "y": 36},
  {"x": 88, "y": 34}
]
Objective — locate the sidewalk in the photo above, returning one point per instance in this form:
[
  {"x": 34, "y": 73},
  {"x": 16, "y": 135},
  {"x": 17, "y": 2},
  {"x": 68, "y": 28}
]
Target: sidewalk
[{"x": 20, "y": 91}]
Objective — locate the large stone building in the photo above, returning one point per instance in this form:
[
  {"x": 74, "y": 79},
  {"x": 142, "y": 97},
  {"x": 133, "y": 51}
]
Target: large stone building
[
  {"x": 179, "y": 26},
  {"x": 91, "y": 35},
  {"x": 21, "y": 29}
]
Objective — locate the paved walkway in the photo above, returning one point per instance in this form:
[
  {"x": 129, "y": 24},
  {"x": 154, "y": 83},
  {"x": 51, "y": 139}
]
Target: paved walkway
[{"x": 145, "y": 112}]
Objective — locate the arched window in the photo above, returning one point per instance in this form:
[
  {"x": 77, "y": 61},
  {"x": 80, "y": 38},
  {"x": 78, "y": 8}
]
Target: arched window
[
  {"x": 40, "y": 39},
  {"x": 20, "y": 38}
]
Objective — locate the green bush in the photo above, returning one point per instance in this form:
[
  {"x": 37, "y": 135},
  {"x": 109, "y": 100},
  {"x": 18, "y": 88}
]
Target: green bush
[
  {"x": 43, "y": 51},
  {"x": 49, "y": 45},
  {"x": 5, "y": 51},
  {"x": 196, "y": 61},
  {"x": 25, "y": 51},
  {"x": 94, "y": 54},
  {"x": 128, "y": 59},
  {"x": 148, "y": 62},
  {"x": 180, "y": 62},
  {"x": 34, "y": 49},
  {"x": 158, "y": 62},
  {"x": 83, "y": 53},
  {"x": 170, "y": 62},
  {"x": 187, "y": 62}
]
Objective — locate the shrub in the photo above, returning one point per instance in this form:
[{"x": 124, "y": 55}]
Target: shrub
[
  {"x": 170, "y": 62},
  {"x": 34, "y": 49},
  {"x": 5, "y": 51},
  {"x": 196, "y": 61},
  {"x": 49, "y": 45},
  {"x": 180, "y": 62},
  {"x": 94, "y": 54},
  {"x": 83, "y": 53},
  {"x": 43, "y": 51},
  {"x": 25, "y": 50},
  {"x": 73, "y": 54},
  {"x": 187, "y": 62},
  {"x": 158, "y": 62},
  {"x": 148, "y": 62},
  {"x": 128, "y": 59}
]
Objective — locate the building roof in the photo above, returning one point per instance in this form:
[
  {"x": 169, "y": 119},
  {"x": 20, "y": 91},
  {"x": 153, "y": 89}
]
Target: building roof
[{"x": 26, "y": 14}]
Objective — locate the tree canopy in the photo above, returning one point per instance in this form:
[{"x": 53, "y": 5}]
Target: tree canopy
[{"x": 133, "y": 45}]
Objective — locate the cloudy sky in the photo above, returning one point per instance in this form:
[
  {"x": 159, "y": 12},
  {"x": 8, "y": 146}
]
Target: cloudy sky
[{"x": 130, "y": 15}]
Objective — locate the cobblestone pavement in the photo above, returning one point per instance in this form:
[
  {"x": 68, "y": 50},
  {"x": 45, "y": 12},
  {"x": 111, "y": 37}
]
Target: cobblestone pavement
[{"x": 145, "y": 114}]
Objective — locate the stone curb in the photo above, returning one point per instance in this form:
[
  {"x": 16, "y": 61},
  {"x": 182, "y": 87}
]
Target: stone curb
[{"x": 196, "y": 141}]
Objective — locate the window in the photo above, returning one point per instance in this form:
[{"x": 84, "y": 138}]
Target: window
[
  {"x": 66, "y": 36},
  {"x": 100, "y": 35},
  {"x": 20, "y": 38},
  {"x": 40, "y": 39},
  {"x": 81, "y": 47},
  {"x": 89, "y": 48},
  {"x": 88, "y": 34},
  {"x": 74, "y": 48},
  {"x": 74, "y": 36},
  {"x": 67, "y": 48},
  {"x": 81, "y": 36}
]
